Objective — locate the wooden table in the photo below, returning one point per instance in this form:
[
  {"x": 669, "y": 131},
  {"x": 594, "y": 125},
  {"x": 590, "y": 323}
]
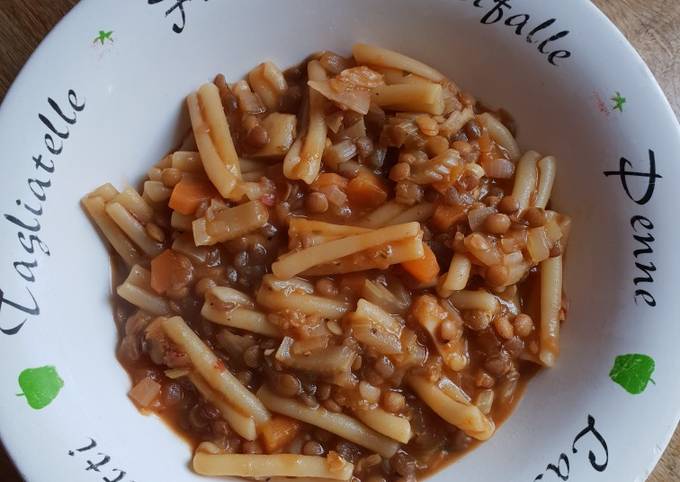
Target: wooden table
[{"x": 653, "y": 26}]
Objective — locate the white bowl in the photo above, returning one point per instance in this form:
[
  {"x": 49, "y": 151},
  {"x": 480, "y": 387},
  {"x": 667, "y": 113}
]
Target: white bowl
[{"x": 132, "y": 87}]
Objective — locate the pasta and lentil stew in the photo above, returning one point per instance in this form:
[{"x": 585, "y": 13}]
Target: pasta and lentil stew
[{"x": 348, "y": 270}]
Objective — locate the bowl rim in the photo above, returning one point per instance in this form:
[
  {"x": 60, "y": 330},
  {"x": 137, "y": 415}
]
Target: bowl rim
[{"x": 33, "y": 63}]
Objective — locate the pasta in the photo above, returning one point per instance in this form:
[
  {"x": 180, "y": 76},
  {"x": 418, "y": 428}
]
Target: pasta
[
  {"x": 213, "y": 139},
  {"x": 347, "y": 270},
  {"x": 241, "y": 424},
  {"x": 242, "y": 465},
  {"x": 209, "y": 367},
  {"x": 336, "y": 423}
]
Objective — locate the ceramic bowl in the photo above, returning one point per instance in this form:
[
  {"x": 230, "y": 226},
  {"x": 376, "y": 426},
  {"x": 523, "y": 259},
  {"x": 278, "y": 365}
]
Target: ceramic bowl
[{"x": 102, "y": 99}]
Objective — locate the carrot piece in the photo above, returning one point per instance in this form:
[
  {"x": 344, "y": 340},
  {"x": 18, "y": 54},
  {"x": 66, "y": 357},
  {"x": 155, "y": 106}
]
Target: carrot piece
[
  {"x": 189, "y": 193},
  {"x": 329, "y": 179},
  {"x": 279, "y": 432},
  {"x": 425, "y": 269},
  {"x": 485, "y": 147},
  {"x": 162, "y": 270},
  {"x": 367, "y": 190},
  {"x": 446, "y": 216}
]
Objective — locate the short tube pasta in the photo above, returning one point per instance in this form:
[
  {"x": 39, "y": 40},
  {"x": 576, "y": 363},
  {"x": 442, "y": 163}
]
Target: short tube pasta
[
  {"x": 551, "y": 304},
  {"x": 187, "y": 161},
  {"x": 234, "y": 309},
  {"x": 135, "y": 204},
  {"x": 370, "y": 54},
  {"x": 501, "y": 135},
  {"x": 213, "y": 138},
  {"x": 390, "y": 425},
  {"x": 474, "y": 300},
  {"x": 304, "y": 159},
  {"x": 281, "y": 465},
  {"x": 526, "y": 179},
  {"x": 410, "y": 97},
  {"x": 465, "y": 416},
  {"x": 156, "y": 191},
  {"x": 241, "y": 424},
  {"x": 459, "y": 273},
  {"x": 213, "y": 371},
  {"x": 336, "y": 423},
  {"x": 383, "y": 215},
  {"x": 96, "y": 208},
  {"x": 309, "y": 304},
  {"x": 133, "y": 228},
  {"x": 137, "y": 290},
  {"x": 296, "y": 263},
  {"x": 229, "y": 223},
  {"x": 547, "y": 170}
]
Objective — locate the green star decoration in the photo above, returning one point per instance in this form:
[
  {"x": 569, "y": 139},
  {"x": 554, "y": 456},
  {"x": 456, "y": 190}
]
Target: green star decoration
[
  {"x": 103, "y": 37},
  {"x": 619, "y": 102}
]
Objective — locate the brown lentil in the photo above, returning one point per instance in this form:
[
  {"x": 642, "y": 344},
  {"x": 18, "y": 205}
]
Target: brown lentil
[
  {"x": 448, "y": 331},
  {"x": 503, "y": 327},
  {"x": 324, "y": 392},
  {"x": 407, "y": 158},
  {"x": 477, "y": 320},
  {"x": 508, "y": 205},
  {"x": 497, "y": 223},
  {"x": 498, "y": 365},
  {"x": 484, "y": 380},
  {"x": 312, "y": 447},
  {"x": 316, "y": 202},
  {"x": 403, "y": 464},
  {"x": 436, "y": 145},
  {"x": 252, "y": 356},
  {"x": 369, "y": 392},
  {"x": 523, "y": 325},
  {"x": 497, "y": 275},
  {"x": 203, "y": 285},
  {"x": 427, "y": 125},
  {"x": 286, "y": 385},
  {"x": 535, "y": 217},
  {"x": 393, "y": 402},
  {"x": 400, "y": 172},
  {"x": 257, "y": 137},
  {"x": 171, "y": 176},
  {"x": 331, "y": 405},
  {"x": 556, "y": 250},
  {"x": 326, "y": 287},
  {"x": 245, "y": 377},
  {"x": 384, "y": 367},
  {"x": 253, "y": 447},
  {"x": 333, "y": 63}
]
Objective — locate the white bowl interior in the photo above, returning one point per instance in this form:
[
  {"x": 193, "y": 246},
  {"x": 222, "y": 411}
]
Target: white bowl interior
[{"x": 134, "y": 90}]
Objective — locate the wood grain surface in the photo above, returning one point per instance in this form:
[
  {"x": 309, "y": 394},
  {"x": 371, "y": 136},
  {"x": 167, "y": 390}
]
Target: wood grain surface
[{"x": 652, "y": 26}]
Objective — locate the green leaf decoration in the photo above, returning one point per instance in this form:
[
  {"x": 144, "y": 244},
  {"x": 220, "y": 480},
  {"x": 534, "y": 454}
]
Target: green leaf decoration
[
  {"x": 633, "y": 372},
  {"x": 40, "y": 386}
]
